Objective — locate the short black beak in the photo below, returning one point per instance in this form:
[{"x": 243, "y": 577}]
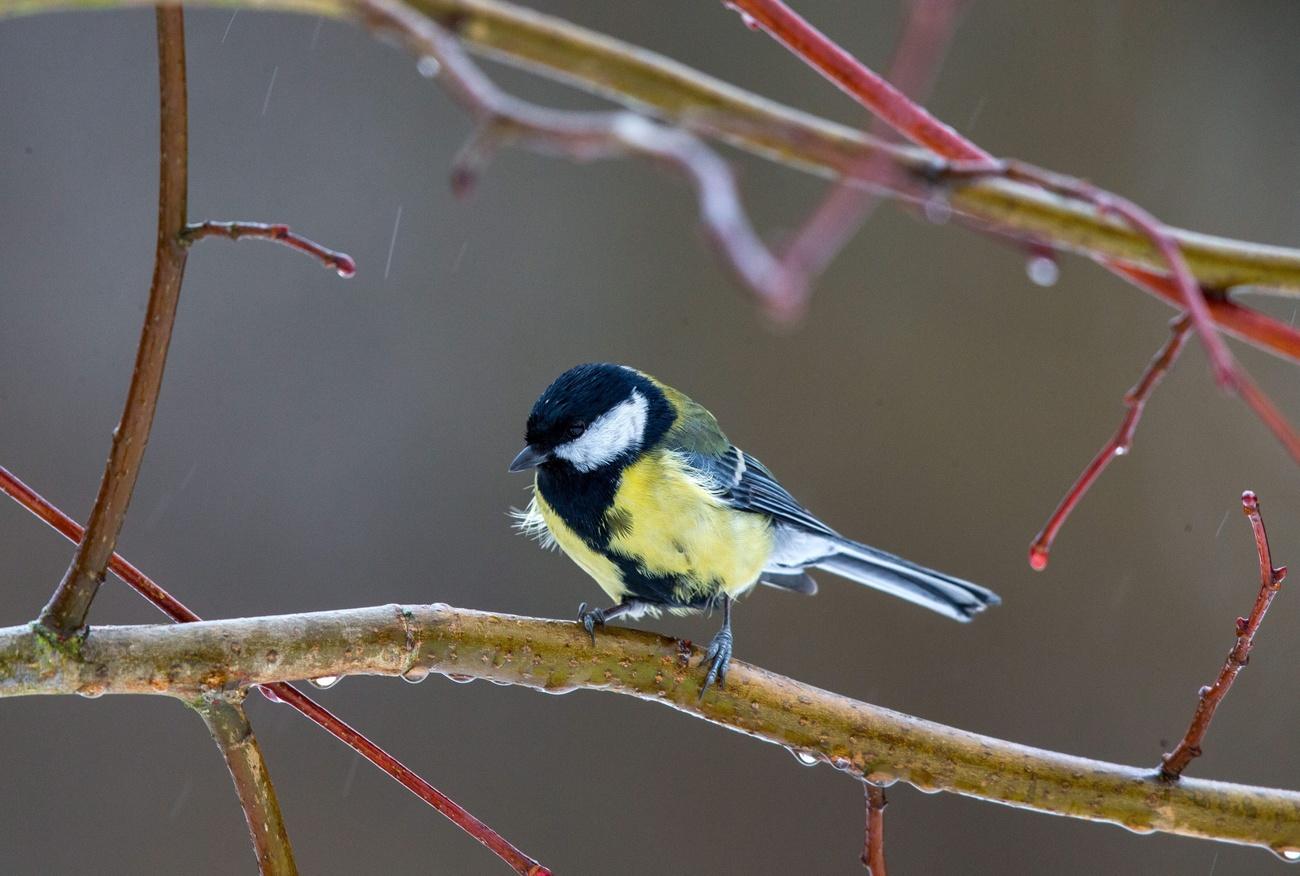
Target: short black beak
[{"x": 529, "y": 457}]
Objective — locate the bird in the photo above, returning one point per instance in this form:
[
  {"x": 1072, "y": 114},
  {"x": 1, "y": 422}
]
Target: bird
[{"x": 641, "y": 488}]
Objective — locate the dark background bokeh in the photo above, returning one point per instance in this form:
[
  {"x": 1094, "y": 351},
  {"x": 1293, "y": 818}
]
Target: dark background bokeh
[{"x": 324, "y": 444}]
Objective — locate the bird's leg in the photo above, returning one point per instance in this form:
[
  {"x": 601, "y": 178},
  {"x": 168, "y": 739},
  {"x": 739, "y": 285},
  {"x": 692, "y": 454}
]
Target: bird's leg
[
  {"x": 718, "y": 654},
  {"x": 590, "y": 618}
]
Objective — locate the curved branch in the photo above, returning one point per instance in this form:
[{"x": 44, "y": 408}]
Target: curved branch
[
  {"x": 66, "y": 611},
  {"x": 557, "y": 656},
  {"x": 233, "y": 734},
  {"x": 651, "y": 82}
]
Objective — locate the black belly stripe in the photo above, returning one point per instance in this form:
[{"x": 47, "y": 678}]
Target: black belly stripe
[{"x": 667, "y": 590}]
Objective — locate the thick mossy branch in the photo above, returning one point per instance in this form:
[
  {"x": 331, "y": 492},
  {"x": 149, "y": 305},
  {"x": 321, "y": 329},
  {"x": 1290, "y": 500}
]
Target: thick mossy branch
[
  {"x": 557, "y": 656},
  {"x": 650, "y": 82}
]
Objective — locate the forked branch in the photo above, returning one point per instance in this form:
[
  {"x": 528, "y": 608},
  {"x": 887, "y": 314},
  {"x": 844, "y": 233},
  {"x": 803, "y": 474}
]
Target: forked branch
[{"x": 857, "y": 738}]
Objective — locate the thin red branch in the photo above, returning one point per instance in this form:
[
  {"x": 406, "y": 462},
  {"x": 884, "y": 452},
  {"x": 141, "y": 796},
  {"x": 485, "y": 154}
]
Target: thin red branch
[
  {"x": 281, "y": 692},
  {"x": 1261, "y": 330},
  {"x": 339, "y": 262},
  {"x": 1245, "y": 319},
  {"x": 873, "y": 834},
  {"x": 917, "y": 58},
  {"x": 1135, "y": 401},
  {"x": 1222, "y": 364},
  {"x": 859, "y": 82},
  {"x": 65, "y": 614},
  {"x": 581, "y": 136},
  {"x": 1270, "y": 582}
]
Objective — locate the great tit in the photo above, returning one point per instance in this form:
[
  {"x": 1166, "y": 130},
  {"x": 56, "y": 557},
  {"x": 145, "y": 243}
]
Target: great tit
[{"x": 639, "y": 486}]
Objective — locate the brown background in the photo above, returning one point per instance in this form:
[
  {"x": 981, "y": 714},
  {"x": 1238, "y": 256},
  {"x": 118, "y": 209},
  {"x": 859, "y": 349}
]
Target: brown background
[{"x": 324, "y": 444}]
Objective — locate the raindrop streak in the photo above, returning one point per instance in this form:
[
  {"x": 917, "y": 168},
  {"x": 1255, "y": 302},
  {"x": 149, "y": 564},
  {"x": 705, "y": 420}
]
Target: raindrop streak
[
  {"x": 416, "y": 674},
  {"x": 315, "y": 34},
  {"x": 1043, "y": 271},
  {"x": 392, "y": 244},
  {"x": 229, "y": 25},
  {"x": 266, "y": 102},
  {"x": 324, "y": 682},
  {"x": 428, "y": 66},
  {"x": 807, "y": 758}
]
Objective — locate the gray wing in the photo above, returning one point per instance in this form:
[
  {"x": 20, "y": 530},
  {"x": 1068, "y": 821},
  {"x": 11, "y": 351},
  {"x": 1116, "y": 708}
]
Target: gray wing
[{"x": 746, "y": 485}]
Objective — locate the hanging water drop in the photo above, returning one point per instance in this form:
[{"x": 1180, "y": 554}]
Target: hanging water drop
[
  {"x": 269, "y": 692},
  {"x": 324, "y": 682},
  {"x": 937, "y": 210},
  {"x": 91, "y": 691},
  {"x": 428, "y": 66},
  {"x": 416, "y": 674},
  {"x": 460, "y": 679},
  {"x": 1043, "y": 270},
  {"x": 807, "y": 758},
  {"x": 1121, "y": 450}
]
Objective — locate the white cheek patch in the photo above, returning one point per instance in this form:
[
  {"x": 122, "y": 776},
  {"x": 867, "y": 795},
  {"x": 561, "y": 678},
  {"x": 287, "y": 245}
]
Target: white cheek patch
[{"x": 610, "y": 435}]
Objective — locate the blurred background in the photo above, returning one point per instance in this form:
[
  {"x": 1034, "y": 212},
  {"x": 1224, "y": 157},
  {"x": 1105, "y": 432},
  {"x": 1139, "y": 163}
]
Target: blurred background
[{"x": 323, "y": 443}]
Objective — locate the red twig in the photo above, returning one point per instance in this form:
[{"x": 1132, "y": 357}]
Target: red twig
[
  {"x": 1256, "y": 328},
  {"x": 282, "y": 692},
  {"x": 914, "y": 122},
  {"x": 873, "y": 835},
  {"x": 921, "y": 46},
  {"x": 339, "y": 262},
  {"x": 858, "y": 81},
  {"x": 1270, "y": 582},
  {"x": 1135, "y": 400}
]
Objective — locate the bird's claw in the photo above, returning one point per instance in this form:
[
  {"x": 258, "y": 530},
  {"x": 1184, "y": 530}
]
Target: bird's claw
[
  {"x": 718, "y": 656},
  {"x": 590, "y": 618}
]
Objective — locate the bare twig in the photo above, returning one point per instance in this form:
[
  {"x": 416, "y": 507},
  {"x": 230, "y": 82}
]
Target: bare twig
[
  {"x": 1119, "y": 444},
  {"x": 233, "y": 734},
  {"x": 581, "y": 136},
  {"x": 283, "y": 692},
  {"x": 66, "y": 611},
  {"x": 339, "y": 262},
  {"x": 873, "y": 832},
  {"x": 1270, "y": 582},
  {"x": 860, "y": 739}
]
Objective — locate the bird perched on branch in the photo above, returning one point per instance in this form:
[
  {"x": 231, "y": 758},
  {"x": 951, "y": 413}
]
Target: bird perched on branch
[{"x": 639, "y": 486}]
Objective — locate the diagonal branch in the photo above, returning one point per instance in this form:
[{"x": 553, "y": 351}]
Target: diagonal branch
[
  {"x": 282, "y": 692},
  {"x": 1135, "y": 401},
  {"x": 233, "y": 734},
  {"x": 1270, "y": 582},
  {"x": 66, "y": 611},
  {"x": 859, "y": 739}
]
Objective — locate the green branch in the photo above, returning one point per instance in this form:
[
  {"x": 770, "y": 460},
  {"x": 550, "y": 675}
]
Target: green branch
[
  {"x": 674, "y": 92},
  {"x": 557, "y": 656}
]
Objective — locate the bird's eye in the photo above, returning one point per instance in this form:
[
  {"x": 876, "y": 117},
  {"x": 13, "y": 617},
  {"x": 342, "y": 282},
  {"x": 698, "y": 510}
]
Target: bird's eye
[{"x": 577, "y": 428}]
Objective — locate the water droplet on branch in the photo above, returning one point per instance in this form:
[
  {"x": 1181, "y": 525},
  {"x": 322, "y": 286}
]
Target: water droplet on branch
[
  {"x": 1043, "y": 270},
  {"x": 324, "y": 682}
]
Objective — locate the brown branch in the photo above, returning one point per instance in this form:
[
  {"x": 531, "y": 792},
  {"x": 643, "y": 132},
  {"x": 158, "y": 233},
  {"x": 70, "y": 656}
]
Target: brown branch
[
  {"x": 65, "y": 614},
  {"x": 339, "y": 262},
  {"x": 859, "y": 739},
  {"x": 1270, "y": 582},
  {"x": 873, "y": 832},
  {"x": 1120, "y": 443},
  {"x": 233, "y": 734},
  {"x": 281, "y": 692},
  {"x": 582, "y": 136}
]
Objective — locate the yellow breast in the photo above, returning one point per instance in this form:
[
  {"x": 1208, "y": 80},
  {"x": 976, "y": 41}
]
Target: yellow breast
[{"x": 671, "y": 525}]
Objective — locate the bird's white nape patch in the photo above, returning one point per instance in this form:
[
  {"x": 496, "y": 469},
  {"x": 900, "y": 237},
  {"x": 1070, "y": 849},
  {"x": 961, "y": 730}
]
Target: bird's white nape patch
[{"x": 610, "y": 435}]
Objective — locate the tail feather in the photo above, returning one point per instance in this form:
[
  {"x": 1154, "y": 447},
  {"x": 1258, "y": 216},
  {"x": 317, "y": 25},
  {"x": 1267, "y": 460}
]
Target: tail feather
[{"x": 936, "y": 591}]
